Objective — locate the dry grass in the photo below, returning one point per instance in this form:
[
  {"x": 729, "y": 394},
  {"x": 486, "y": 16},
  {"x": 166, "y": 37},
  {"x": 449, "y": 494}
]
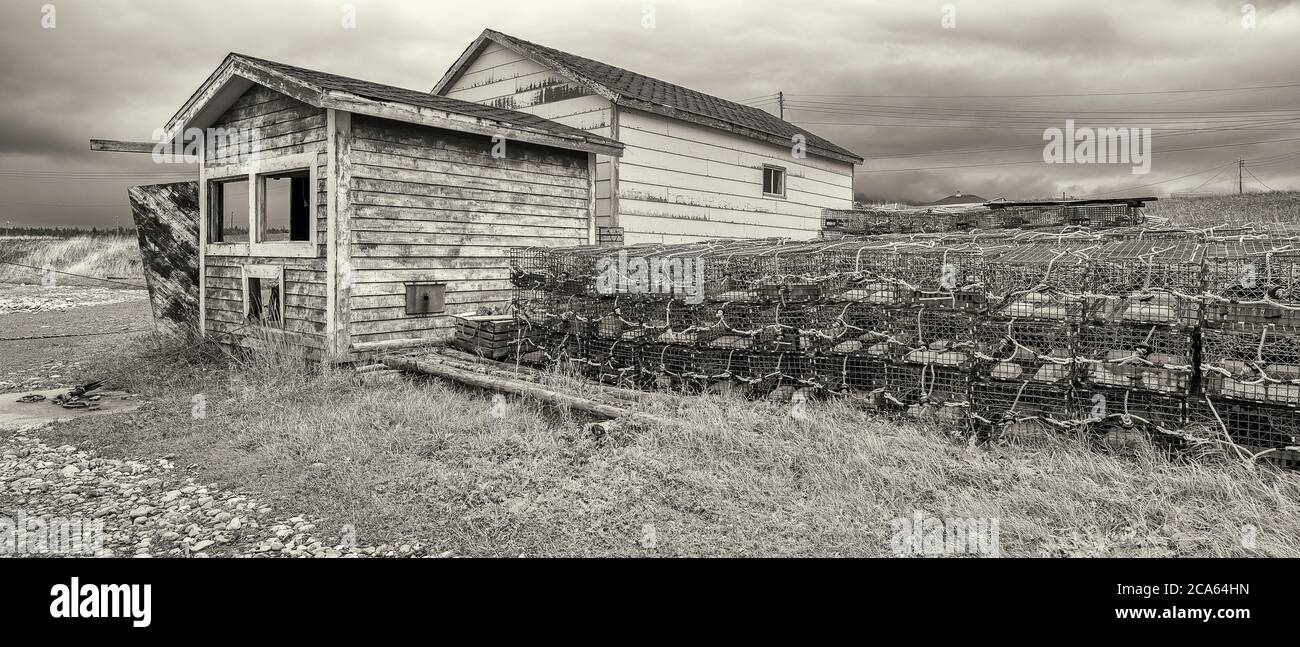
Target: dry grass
[
  {"x": 455, "y": 469},
  {"x": 98, "y": 256},
  {"x": 1255, "y": 208}
]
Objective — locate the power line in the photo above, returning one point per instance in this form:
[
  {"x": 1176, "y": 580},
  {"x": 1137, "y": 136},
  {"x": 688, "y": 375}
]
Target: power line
[
  {"x": 1143, "y": 186},
  {"x": 1038, "y": 128},
  {"x": 176, "y": 176},
  {"x": 944, "y": 109},
  {"x": 80, "y": 334},
  {"x": 1062, "y": 94},
  {"x": 1045, "y": 120},
  {"x": 1212, "y": 177},
  {"x": 1276, "y": 159},
  {"x": 1257, "y": 179},
  {"x": 1039, "y": 161},
  {"x": 62, "y": 206},
  {"x": 1178, "y": 133},
  {"x": 84, "y": 276}
]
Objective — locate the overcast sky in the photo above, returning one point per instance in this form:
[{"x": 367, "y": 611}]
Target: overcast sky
[{"x": 118, "y": 69}]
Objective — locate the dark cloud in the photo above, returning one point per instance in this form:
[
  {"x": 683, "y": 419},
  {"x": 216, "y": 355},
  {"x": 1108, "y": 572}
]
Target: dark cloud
[{"x": 117, "y": 68}]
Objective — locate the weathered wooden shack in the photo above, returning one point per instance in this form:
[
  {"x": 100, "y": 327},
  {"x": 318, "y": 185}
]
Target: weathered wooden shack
[
  {"x": 343, "y": 217},
  {"x": 695, "y": 166}
]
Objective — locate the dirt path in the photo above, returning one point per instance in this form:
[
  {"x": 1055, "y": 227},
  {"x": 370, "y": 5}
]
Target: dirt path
[{"x": 34, "y": 354}]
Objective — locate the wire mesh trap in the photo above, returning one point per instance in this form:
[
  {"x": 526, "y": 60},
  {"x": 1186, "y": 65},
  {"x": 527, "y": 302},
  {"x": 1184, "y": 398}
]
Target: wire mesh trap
[
  {"x": 934, "y": 336},
  {"x": 1249, "y": 424},
  {"x": 1148, "y": 282},
  {"x": 1251, "y": 363},
  {"x": 838, "y": 372},
  {"x": 1252, "y": 281},
  {"x": 946, "y": 276},
  {"x": 1018, "y": 407},
  {"x": 1102, "y": 408},
  {"x": 1038, "y": 281},
  {"x": 1148, "y": 358},
  {"x": 1025, "y": 350}
]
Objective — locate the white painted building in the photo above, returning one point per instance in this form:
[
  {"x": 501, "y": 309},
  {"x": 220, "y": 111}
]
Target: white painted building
[{"x": 694, "y": 166}]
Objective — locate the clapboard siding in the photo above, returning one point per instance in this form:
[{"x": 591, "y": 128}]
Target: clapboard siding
[
  {"x": 435, "y": 205},
  {"x": 502, "y": 78},
  {"x": 678, "y": 182},
  {"x": 304, "y": 300},
  {"x": 277, "y": 125}
]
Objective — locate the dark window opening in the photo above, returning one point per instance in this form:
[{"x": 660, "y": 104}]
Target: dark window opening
[
  {"x": 286, "y": 207},
  {"x": 773, "y": 180},
  {"x": 425, "y": 298},
  {"x": 264, "y": 302},
  {"x": 229, "y": 206}
]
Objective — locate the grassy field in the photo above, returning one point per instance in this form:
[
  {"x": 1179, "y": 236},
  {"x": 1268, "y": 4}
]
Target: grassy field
[
  {"x": 1256, "y": 208},
  {"x": 98, "y": 256},
  {"x": 458, "y": 469}
]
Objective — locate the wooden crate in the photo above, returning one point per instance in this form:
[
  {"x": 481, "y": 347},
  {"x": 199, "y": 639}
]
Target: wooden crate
[{"x": 490, "y": 336}]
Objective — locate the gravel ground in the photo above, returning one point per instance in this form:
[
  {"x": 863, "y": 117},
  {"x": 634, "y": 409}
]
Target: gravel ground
[
  {"x": 149, "y": 508},
  {"x": 35, "y": 298}
]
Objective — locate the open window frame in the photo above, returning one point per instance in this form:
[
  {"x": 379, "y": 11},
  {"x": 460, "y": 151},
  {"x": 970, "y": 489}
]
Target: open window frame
[
  {"x": 250, "y": 277},
  {"x": 256, "y": 172}
]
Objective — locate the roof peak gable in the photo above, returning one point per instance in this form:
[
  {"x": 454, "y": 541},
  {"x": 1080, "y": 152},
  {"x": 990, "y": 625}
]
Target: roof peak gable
[
  {"x": 639, "y": 91},
  {"x": 238, "y": 72}
]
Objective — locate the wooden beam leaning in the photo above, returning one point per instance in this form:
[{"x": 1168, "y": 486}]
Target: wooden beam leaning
[
  {"x": 519, "y": 387},
  {"x": 118, "y": 146}
]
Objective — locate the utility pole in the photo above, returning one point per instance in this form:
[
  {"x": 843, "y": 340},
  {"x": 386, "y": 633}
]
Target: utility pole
[
  {"x": 780, "y": 102},
  {"x": 1241, "y": 164}
]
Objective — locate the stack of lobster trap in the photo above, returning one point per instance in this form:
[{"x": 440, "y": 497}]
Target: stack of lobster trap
[
  {"x": 1136, "y": 346},
  {"x": 1179, "y": 334},
  {"x": 1025, "y": 345},
  {"x": 1250, "y": 344}
]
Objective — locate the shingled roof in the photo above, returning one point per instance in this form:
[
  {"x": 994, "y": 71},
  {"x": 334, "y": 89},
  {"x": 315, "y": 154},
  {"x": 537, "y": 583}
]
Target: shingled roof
[
  {"x": 628, "y": 88},
  {"x": 325, "y": 90}
]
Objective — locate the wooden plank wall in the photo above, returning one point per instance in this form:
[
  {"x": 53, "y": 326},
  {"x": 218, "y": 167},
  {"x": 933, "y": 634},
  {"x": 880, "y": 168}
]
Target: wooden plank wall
[
  {"x": 435, "y": 205},
  {"x": 679, "y": 182},
  {"x": 280, "y": 126},
  {"x": 504, "y": 79}
]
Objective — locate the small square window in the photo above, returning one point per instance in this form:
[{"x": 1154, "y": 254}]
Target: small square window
[
  {"x": 229, "y": 206},
  {"x": 425, "y": 298},
  {"x": 774, "y": 180},
  {"x": 286, "y": 207},
  {"x": 264, "y": 304}
]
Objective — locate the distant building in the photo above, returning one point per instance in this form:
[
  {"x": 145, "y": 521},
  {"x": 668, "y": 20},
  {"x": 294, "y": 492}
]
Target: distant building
[{"x": 957, "y": 198}]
